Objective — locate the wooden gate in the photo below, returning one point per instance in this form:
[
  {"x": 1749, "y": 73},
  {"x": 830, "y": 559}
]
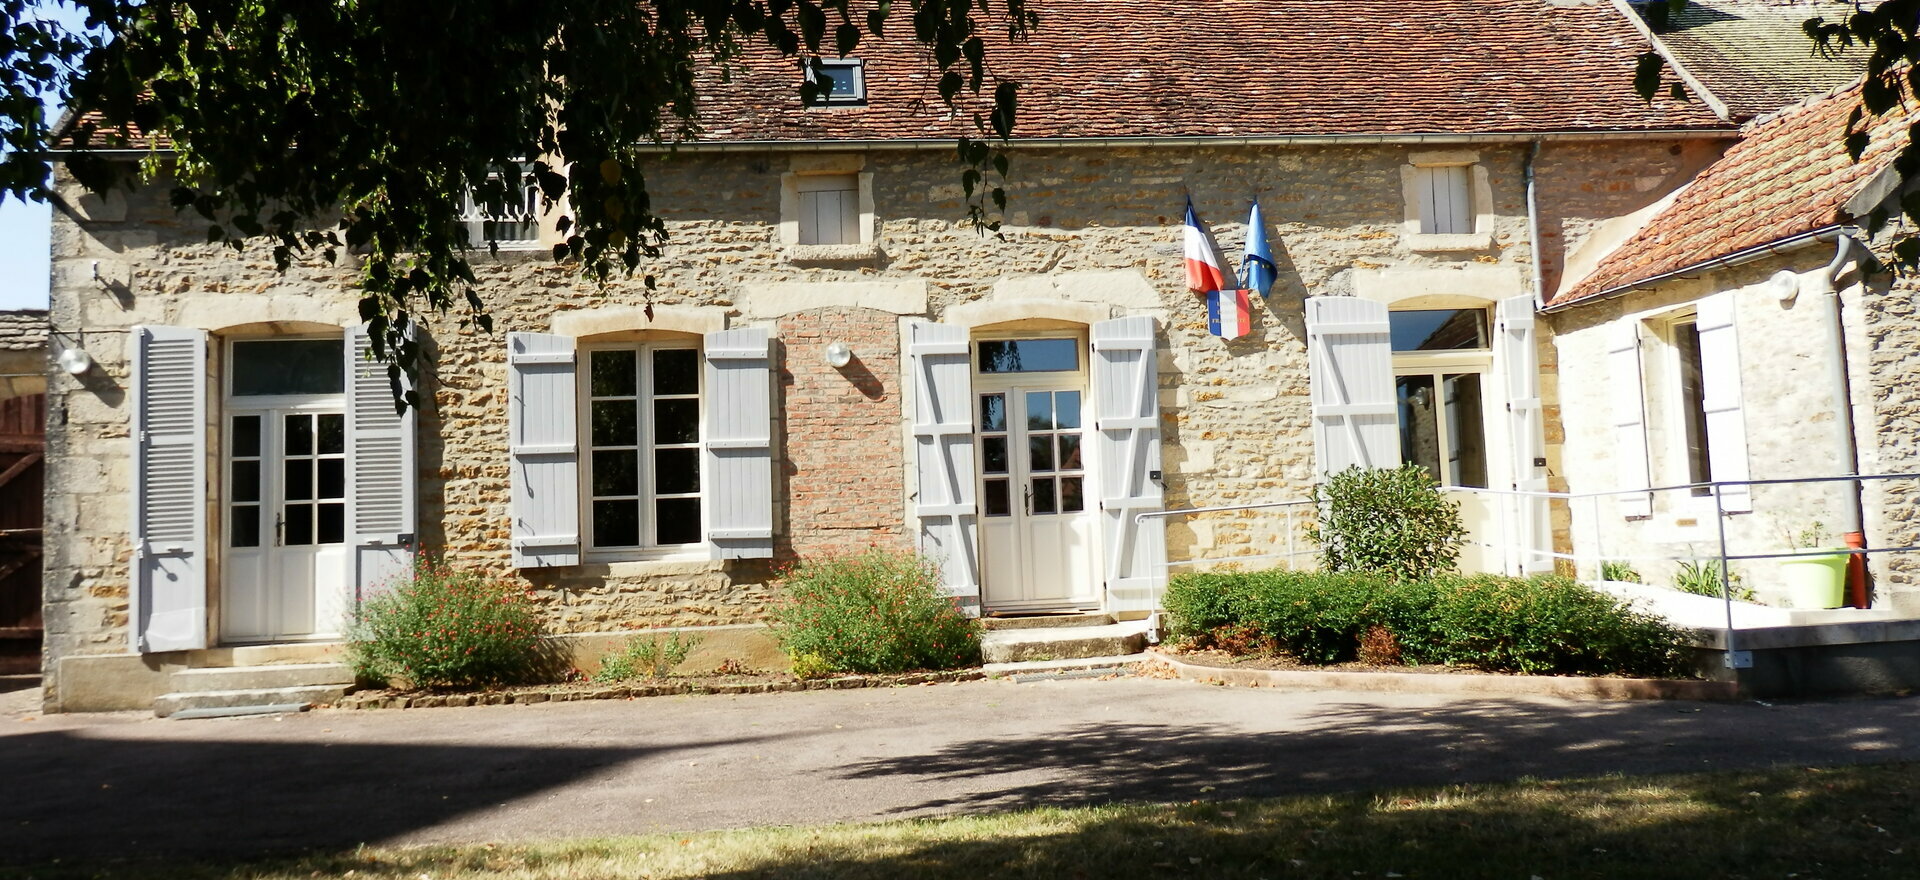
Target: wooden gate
[{"x": 23, "y": 423}]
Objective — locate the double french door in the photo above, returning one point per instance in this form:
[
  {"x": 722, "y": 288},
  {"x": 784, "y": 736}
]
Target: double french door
[
  {"x": 1037, "y": 522},
  {"x": 284, "y": 571}
]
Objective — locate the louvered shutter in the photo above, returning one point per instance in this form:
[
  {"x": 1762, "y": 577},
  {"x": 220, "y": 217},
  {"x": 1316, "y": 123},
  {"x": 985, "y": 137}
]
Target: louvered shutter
[
  {"x": 545, "y": 450},
  {"x": 1531, "y": 538},
  {"x": 739, "y": 449},
  {"x": 1629, "y": 418},
  {"x": 1721, "y": 399},
  {"x": 1126, "y": 392},
  {"x": 943, "y": 455},
  {"x": 380, "y": 449},
  {"x": 1350, "y": 376},
  {"x": 169, "y": 600}
]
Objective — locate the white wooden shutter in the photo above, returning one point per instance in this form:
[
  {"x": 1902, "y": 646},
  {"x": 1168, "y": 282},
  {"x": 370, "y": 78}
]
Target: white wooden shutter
[
  {"x": 1350, "y": 375},
  {"x": 169, "y": 599},
  {"x": 1126, "y": 412},
  {"x": 380, "y": 453},
  {"x": 1721, "y": 399},
  {"x": 545, "y": 450},
  {"x": 943, "y": 455},
  {"x": 1629, "y": 418},
  {"x": 739, "y": 450},
  {"x": 1531, "y": 539}
]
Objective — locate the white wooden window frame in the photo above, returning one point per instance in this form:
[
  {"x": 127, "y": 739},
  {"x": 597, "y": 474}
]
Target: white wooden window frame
[
  {"x": 829, "y": 209},
  {"x": 859, "y": 69},
  {"x": 648, "y": 549},
  {"x": 1415, "y": 187},
  {"x": 1673, "y": 465},
  {"x": 827, "y": 172},
  {"x": 526, "y": 210}
]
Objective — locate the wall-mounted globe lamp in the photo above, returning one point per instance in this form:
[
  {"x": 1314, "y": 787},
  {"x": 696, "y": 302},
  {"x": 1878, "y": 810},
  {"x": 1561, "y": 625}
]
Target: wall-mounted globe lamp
[{"x": 839, "y": 355}]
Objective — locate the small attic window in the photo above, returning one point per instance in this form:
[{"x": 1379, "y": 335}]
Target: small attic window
[{"x": 844, "y": 81}]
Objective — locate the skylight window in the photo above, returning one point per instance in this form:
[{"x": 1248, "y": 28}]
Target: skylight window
[{"x": 843, "y": 81}]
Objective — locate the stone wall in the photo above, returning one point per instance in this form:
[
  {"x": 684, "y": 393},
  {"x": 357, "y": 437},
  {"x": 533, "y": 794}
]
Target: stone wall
[{"x": 1094, "y": 227}]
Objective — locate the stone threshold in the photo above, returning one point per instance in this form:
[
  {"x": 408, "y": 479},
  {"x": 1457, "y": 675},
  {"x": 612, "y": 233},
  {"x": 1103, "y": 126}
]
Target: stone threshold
[
  {"x": 565, "y": 694},
  {"x": 1496, "y": 685}
]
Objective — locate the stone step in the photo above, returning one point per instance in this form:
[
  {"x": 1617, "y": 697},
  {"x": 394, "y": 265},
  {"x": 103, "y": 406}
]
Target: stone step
[
  {"x": 1045, "y": 621},
  {"x": 285, "y": 653},
  {"x": 1052, "y": 668},
  {"x": 1064, "y": 643},
  {"x": 241, "y": 678},
  {"x": 166, "y": 705}
]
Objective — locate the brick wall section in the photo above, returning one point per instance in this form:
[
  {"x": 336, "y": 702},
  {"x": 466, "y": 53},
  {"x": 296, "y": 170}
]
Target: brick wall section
[{"x": 845, "y": 468}]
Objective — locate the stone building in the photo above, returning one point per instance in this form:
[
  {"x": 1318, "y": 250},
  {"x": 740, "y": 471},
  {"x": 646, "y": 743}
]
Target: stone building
[{"x": 833, "y": 360}]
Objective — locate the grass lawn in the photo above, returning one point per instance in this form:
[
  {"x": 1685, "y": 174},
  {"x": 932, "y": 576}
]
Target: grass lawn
[{"x": 1795, "y": 822}]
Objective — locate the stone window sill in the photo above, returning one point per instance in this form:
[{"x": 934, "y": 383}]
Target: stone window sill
[
  {"x": 1467, "y": 241},
  {"x": 832, "y": 253}
]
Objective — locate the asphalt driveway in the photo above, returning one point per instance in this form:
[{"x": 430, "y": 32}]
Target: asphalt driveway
[{"x": 132, "y": 786}]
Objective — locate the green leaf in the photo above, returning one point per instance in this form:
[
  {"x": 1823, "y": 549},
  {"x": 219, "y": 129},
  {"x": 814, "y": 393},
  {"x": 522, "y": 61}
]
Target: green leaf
[
  {"x": 1646, "y": 75},
  {"x": 846, "y": 38}
]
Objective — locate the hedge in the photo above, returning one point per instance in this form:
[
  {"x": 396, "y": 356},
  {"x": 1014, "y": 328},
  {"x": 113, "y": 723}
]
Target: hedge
[{"x": 1546, "y": 624}]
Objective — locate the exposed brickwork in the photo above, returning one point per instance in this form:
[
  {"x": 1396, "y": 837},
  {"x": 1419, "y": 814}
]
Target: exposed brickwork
[{"x": 845, "y": 468}]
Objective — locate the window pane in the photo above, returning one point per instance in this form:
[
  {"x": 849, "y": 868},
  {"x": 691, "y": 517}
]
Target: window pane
[
  {"x": 678, "y": 520},
  {"x": 1070, "y": 452},
  {"x": 676, "y": 421},
  {"x": 616, "y": 523},
  {"x": 1072, "y": 498},
  {"x": 298, "y": 530},
  {"x": 1040, "y": 453},
  {"x": 616, "y": 473},
  {"x": 1419, "y": 423},
  {"x": 246, "y": 481},
  {"x": 1438, "y": 329},
  {"x": 246, "y": 436},
  {"x": 332, "y": 433},
  {"x": 616, "y": 422},
  {"x": 613, "y": 374},
  {"x": 842, "y": 80},
  {"x": 333, "y": 524},
  {"x": 289, "y": 366},
  {"x": 993, "y": 412},
  {"x": 299, "y": 479},
  {"x": 1466, "y": 434},
  {"x": 333, "y": 478},
  {"x": 1039, "y": 411},
  {"x": 676, "y": 471},
  {"x": 246, "y": 526},
  {"x": 993, "y": 451},
  {"x": 1029, "y": 355},
  {"x": 1066, "y": 409},
  {"x": 676, "y": 371},
  {"x": 1043, "y": 495},
  {"x": 1693, "y": 404},
  {"x": 299, "y": 439},
  {"x": 995, "y": 498}
]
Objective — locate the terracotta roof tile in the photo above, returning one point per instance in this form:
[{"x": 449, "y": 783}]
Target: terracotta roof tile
[{"x": 1789, "y": 174}]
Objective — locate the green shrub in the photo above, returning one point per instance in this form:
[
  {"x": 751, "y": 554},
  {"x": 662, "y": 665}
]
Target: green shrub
[
  {"x": 1546, "y": 624},
  {"x": 647, "y": 655},
  {"x": 447, "y": 628},
  {"x": 879, "y": 611},
  {"x": 1392, "y": 522}
]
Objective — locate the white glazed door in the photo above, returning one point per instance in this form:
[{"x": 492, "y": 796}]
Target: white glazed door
[
  {"x": 1036, "y": 521},
  {"x": 285, "y": 524}
]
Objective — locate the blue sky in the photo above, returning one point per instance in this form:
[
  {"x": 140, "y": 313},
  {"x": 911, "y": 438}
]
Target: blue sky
[{"x": 23, "y": 228}]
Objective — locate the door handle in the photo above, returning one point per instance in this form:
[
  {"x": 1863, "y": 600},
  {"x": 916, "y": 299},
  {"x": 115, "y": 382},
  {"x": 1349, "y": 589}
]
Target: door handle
[
  {"x": 1026, "y": 490},
  {"x": 279, "y": 532}
]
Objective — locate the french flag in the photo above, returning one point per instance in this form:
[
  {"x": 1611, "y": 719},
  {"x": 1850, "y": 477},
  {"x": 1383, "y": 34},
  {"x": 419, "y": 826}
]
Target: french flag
[
  {"x": 1206, "y": 265},
  {"x": 1229, "y": 313}
]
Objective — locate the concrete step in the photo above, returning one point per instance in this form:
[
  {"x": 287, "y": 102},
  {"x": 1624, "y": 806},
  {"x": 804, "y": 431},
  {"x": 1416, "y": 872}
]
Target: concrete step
[
  {"x": 1064, "y": 643},
  {"x": 286, "y": 653},
  {"x": 1045, "y": 621},
  {"x": 1050, "y": 668},
  {"x": 166, "y": 705},
  {"x": 242, "y": 678}
]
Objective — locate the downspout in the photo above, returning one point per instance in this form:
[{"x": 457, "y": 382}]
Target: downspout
[
  {"x": 1533, "y": 228},
  {"x": 1833, "y": 317}
]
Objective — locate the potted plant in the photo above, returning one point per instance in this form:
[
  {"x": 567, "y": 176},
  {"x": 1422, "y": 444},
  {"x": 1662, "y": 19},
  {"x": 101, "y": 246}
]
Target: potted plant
[{"x": 1817, "y": 579}]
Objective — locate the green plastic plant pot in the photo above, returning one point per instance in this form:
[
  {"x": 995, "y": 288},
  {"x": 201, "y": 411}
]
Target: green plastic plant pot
[{"x": 1815, "y": 581}]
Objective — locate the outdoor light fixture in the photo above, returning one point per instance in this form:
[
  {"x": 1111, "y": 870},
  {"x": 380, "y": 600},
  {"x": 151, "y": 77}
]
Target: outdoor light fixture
[
  {"x": 839, "y": 355},
  {"x": 75, "y": 361}
]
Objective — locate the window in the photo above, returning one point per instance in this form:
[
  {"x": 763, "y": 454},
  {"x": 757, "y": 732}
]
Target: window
[
  {"x": 643, "y": 470},
  {"x": 1438, "y": 329},
  {"x": 262, "y": 368},
  {"x": 1693, "y": 403},
  {"x": 841, "y": 81},
  {"x": 829, "y": 209},
  {"x": 1446, "y": 199},
  {"x": 504, "y": 212},
  {"x": 1442, "y": 426},
  {"x": 1029, "y": 355}
]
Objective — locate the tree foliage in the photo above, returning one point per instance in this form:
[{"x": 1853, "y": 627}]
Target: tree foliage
[{"x": 364, "y": 124}]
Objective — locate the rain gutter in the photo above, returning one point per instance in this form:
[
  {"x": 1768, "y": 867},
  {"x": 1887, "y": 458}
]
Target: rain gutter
[{"x": 1780, "y": 246}]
